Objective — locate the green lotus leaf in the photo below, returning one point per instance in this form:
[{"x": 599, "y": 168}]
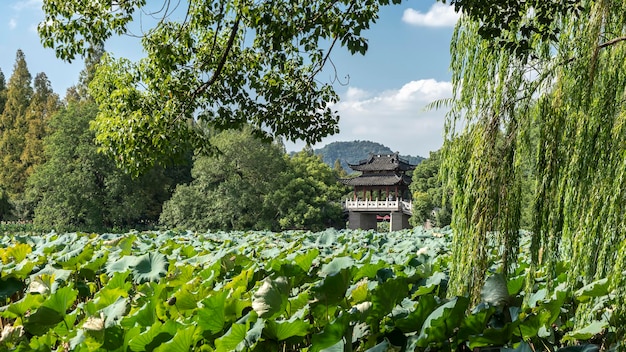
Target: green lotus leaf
[
  {"x": 267, "y": 299},
  {"x": 155, "y": 336},
  {"x": 442, "y": 322},
  {"x": 282, "y": 330},
  {"x": 233, "y": 340},
  {"x": 594, "y": 328},
  {"x": 121, "y": 265},
  {"x": 495, "y": 291},
  {"x": 150, "y": 267},
  {"x": 60, "y": 276},
  {"x": 8, "y": 287},
  {"x": 115, "y": 312},
  {"x": 336, "y": 265},
  {"x": 183, "y": 341},
  {"x": 42, "y": 320},
  {"x": 211, "y": 316},
  {"x": 594, "y": 289},
  {"x": 332, "y": 335}
]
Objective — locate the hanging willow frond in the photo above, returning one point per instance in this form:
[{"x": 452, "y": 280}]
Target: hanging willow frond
[{"x": 558, "y": 116}]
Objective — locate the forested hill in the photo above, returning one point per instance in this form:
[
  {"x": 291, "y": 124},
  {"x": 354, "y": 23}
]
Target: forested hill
[{"x": 353, "y": 151}]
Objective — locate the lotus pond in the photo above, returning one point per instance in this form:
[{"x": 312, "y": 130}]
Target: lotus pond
[{"x": 261, "y": 291}]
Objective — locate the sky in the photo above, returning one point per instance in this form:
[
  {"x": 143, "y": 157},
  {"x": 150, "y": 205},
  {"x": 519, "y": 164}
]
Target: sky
[{"x": 383, "y": 94}]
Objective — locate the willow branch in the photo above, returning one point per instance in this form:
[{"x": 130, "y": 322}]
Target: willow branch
[{"x": 611, "y": 42}]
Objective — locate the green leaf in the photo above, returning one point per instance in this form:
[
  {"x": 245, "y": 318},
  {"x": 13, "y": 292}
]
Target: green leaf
[
  {"x": 267, "y": 300},
  {"x": 115, "y": 312},
  {"x": 594, "y": 328},
  {"x": 10, "y": 286},
  {"x": 495, "y": 291},
  {"x": 386, "y": 295},
  {"x": 332, "y": 288},
  {"x": 155, "y": 336},
  {"x": 515, "y": 285},
  {"x": 370, "y": 270},
  {"x": 430, "y": 284},
  {"x": 121, "y": 265},
  {"x": 442, "y": 322},
  {"x": 381, "y": 347},
  {"x": 305, "y": 260},
  {"x": 211, "y": 316},
  {"x": 183, "y": 341},
  {"x": 150, "y": 267},
  {"x": 579, "y": 348},
  {"x": 232, "y": 339},
  {"x": 61, "y": 300},
  {"x": 185, "y": 300},
  {"x": 475, "y": 323},
  {"x": 30, "y": 302},
  {"x": 282, "y": 330},
  {"x": 336, "y": 265},
  {"x": 42, "y": 320},
  {"x": 415, "y": 320},
  {"x": 595, "y": 289},
  {"x": 331, "y": 335}
]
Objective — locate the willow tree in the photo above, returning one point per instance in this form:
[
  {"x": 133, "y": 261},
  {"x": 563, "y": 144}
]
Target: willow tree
[{"x": 552, "y": 91}]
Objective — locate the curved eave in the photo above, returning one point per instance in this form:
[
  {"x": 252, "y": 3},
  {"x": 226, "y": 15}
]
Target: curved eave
[{"x": 377, "y": 180}]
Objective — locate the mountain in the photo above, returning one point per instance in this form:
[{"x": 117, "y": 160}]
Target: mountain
[{"x": 353, "y": 151}]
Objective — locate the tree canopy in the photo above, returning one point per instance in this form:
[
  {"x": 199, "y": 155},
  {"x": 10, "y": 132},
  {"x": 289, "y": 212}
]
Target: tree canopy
[{"x": 225, "y": 63}]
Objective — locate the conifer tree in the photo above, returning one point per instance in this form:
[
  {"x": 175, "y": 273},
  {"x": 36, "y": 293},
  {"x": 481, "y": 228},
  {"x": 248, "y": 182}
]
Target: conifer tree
[
  {"x": 13, "y": 127},
  {"x": 3, "y": 91},
  {"x": 43, "y": 105}
]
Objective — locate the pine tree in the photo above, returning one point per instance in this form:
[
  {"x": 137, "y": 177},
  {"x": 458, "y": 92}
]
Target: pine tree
[{"x": 13, "y": 127}]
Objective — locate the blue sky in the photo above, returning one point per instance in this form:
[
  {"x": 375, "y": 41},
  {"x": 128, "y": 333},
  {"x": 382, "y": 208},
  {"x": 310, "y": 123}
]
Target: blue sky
[{"x": 383, "y": 93}]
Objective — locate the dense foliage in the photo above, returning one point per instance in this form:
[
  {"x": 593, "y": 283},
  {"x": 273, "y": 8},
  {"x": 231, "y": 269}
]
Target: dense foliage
[
  {"x": 430, "y": 203},
  {"x": 227, "y": 63},
  {"x": 559, "y": 102},
  {"x": 23, "y": 121},
  {"x": 70, "y": 186},
  {"x": 263, "y": 291},
  {"x": 251, "y": 184},
  {"x": 78, "y": 188}
]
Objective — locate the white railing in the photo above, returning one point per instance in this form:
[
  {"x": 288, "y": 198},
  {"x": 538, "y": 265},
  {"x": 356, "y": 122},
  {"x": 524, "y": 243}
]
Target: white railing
[{"x": 378, "y": 205}]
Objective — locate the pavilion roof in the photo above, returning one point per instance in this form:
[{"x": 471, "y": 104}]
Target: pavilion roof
[
  {"x": 377, "y": 180},
  {"x": 382, "y": 162}
]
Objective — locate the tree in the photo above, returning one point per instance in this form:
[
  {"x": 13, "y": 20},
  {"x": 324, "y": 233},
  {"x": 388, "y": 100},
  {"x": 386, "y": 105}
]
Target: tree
[
  {"x": 3, "y": 92},
  {"x": 427, "y": 189},
  {"x": 230, "y": 187},
  {"x": 568, "y": 88},
  {"x": 13, "y": 128},
  {"x": 79, "y": 189},
  {"x": 309, "y": 196},
  {"x": 227, "y": 63},
  {"x": 43, "y": 105}
]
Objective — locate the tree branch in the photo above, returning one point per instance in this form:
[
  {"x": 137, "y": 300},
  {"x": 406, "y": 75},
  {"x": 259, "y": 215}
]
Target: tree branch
[
  {"x": 611, "y": 42},
  {"x": 222, "y": 62}
]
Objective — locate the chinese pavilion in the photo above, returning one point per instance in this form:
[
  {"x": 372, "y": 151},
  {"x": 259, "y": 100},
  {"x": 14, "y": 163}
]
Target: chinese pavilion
[{"x": 382, "y": 189}]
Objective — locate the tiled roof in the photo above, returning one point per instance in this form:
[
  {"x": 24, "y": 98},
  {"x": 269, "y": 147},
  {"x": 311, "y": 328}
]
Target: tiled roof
[
  {"x": 377, "y": 180},
  {"x": 382, "y": 162}
]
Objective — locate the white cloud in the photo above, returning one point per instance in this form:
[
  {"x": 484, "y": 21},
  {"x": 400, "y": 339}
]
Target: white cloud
[
  {"x": 395, "y": 118},
  {"x": 439, "y": 15},
  {"x": 12, "y": 23}
]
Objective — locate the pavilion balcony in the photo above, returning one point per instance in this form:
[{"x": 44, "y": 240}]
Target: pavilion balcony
[{"x": 378, "y": 205}]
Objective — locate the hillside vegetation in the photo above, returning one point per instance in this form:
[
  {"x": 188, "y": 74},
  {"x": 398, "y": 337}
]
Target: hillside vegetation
[{"x": 353, "y": 151}]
